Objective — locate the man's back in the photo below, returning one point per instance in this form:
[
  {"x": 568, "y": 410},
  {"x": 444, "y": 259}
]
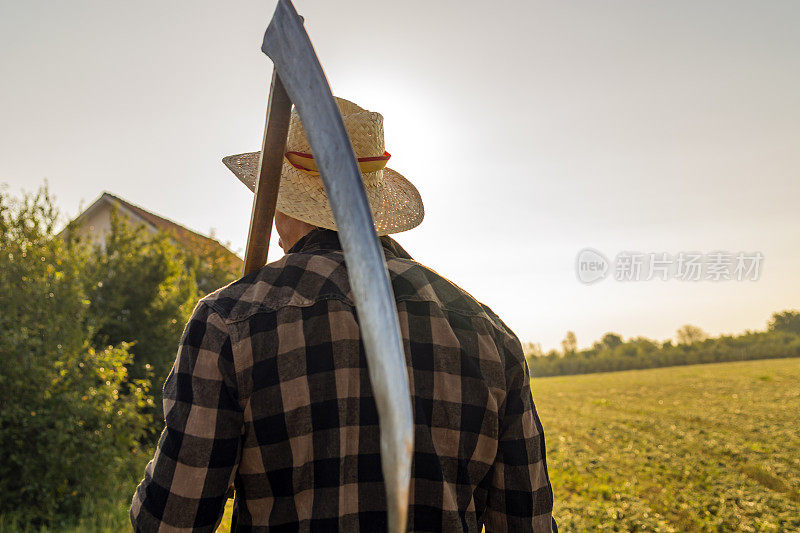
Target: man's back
[{"x": 270, "y": 389}]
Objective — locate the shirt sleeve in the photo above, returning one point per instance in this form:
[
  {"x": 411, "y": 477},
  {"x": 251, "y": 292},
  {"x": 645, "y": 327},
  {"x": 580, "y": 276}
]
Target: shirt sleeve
[
  {"x": 197, "y": 455},
  {"x": 520, "y": 497}
]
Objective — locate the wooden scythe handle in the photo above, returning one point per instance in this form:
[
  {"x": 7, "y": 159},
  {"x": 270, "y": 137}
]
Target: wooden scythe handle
[{"x": 268, "y": 180}]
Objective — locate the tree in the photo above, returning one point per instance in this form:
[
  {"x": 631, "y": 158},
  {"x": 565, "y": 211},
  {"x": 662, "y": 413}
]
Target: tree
[
  {"x": 611, "y": 340},
  {"x": 570, "y": 343},
  {"x": 140, "y": 293},
  {"x": 689, "y": 334},
  {"x": 213, "y": 266},
  {"x": 70, "y": 419},
  {"x": 788, "y": 321},
  {"x": 532, "y": 349}
]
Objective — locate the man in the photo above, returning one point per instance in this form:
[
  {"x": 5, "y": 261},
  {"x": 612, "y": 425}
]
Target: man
[{"x": 270, "y": 390}]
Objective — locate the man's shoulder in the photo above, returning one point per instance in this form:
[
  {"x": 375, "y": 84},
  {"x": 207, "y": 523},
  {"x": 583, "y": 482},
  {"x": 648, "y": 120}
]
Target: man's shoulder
[
  {"x": 414, "y": 281},
  {"x": 298, "y": 279}
]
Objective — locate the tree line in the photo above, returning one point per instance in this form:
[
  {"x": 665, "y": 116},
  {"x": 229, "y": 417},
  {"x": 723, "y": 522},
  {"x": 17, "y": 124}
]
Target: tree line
[{"x": 693, "y": 346}]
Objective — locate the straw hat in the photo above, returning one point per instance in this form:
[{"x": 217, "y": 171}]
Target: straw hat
[{"x": 396, "y": 203}]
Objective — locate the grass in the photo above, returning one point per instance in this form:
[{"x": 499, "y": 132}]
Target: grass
[
  {"x": 695, "y": 448},
  {"x": 109, "y": 515}
]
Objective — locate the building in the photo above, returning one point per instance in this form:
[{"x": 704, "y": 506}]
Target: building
[{"x": 94, "y": 223}]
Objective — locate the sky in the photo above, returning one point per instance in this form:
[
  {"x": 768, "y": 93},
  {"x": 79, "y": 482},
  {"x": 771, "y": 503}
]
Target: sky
[{"x": 533, "y": 130}]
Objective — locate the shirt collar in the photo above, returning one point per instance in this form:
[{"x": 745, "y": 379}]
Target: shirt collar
[{"x": 326, "y": 239}]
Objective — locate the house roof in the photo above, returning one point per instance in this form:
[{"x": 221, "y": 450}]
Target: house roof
[{"x": 188, "y": 238}]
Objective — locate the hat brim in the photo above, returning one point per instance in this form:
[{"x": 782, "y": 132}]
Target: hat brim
[{"x": 395, "y": 202}]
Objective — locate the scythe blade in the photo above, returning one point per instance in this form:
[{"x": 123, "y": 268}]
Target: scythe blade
[{"x": 288, "y": 45}]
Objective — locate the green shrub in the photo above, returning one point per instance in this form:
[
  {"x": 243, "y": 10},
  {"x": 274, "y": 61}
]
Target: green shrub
[
  {"x": 75, "y": 434},
  {"x": 70, "y": 419},
  {"x": 140, "y": 292}
]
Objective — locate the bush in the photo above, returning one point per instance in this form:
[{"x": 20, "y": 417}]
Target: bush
[
  {"x": 142, "y": 293},
  {"x": 71, "y": 419},
  {"x": 76, "y": 434},
  {"x": 212, "y": 266}
]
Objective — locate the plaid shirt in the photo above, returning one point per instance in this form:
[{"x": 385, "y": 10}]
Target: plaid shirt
[{"x": 270, "y": 392}]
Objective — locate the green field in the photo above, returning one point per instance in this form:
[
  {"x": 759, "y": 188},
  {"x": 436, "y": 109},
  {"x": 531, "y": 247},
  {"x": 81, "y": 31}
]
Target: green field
[{"x": 693, "y": 448}]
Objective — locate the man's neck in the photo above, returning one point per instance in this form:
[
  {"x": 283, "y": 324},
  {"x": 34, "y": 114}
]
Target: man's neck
[
  {"x": 329, "y": 239},
  {"x": 303, "y": 239},
  {"x": 289, "y": 242}
]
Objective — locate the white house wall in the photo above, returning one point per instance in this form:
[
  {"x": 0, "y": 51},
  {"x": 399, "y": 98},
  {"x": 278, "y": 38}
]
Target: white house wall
[{"x": 95, "y": 222}]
